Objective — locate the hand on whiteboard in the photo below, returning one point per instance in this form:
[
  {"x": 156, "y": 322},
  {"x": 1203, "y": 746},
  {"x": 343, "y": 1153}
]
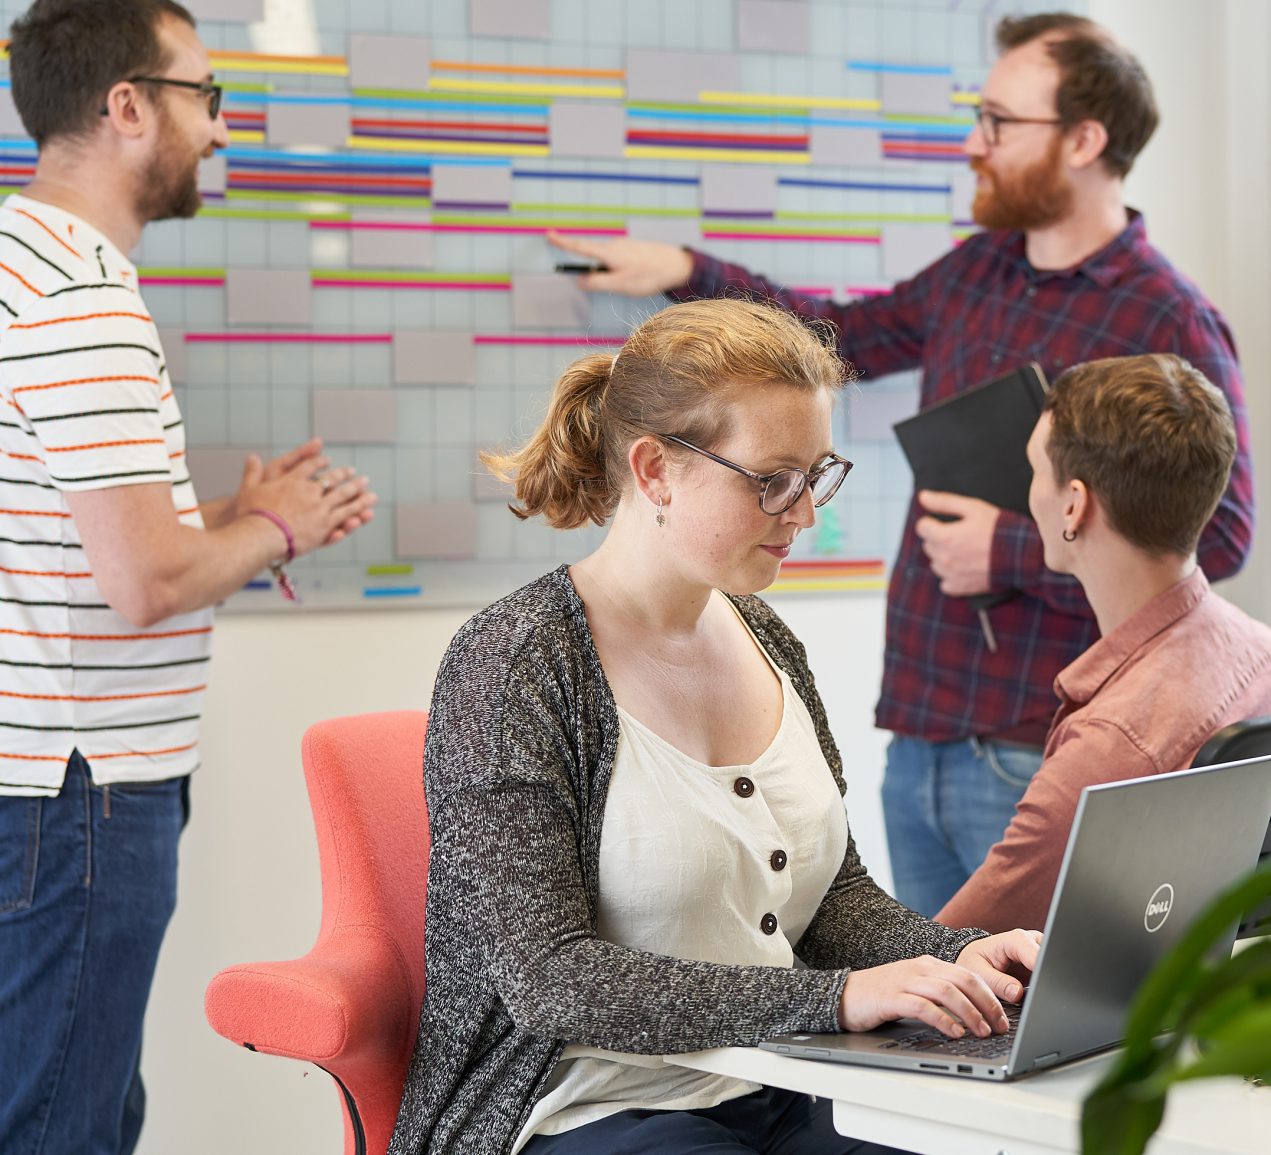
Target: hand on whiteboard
[
  {"x": 634, "y": 268},
  {"x": 321, "y": 505},
  {"x": 961, "y": 550}
]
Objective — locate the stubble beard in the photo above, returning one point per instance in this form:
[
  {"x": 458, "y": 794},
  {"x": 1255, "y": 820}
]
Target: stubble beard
[{"x": 169, "y": 186}]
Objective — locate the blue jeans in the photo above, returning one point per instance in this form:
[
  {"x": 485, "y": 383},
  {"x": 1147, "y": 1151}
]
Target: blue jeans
[
  {"x": 769, "y": 1122},
  {"x": 945, "y": 804},
  {"x": 87, "y": 886}
]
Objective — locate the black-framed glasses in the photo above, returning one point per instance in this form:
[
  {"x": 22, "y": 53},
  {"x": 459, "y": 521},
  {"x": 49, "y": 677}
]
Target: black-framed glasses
[
  {"x": 212, "y": 93},
  {"x": 779, "y": 491},
  {"x": 991, "y": 123}
]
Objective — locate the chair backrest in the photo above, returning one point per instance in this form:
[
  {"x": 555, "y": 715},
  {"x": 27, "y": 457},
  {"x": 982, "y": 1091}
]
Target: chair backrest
[
  {"x": 351, "y": 1005},
  {"x": 1248, "y": 739},
  {"x": 365, "y": 777},
  {"x": 363, "y": 773}
]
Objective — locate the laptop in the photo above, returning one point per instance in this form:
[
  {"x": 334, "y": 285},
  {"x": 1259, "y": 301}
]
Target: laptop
[{"x": 1144, "y": 857}]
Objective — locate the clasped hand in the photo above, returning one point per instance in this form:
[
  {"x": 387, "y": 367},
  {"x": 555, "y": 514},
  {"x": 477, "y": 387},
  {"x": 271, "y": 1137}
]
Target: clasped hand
[
  {"x": 951, "y": 997},
  {"x": 321, "y": 505}
]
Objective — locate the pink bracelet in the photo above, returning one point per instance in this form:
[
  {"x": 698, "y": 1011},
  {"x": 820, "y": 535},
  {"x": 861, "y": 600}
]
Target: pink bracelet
[
  {"x": 284, "y": 582},
  {"x": 269, "y": 515}
]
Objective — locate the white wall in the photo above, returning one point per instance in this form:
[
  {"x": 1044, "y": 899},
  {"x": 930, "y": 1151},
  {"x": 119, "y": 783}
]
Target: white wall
[
  {"x": 1204, "y": 183},
  {"x": 249, "y": 887}
]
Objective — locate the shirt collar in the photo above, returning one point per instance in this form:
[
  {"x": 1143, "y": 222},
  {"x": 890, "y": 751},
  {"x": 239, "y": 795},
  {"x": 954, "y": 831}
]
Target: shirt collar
[
  {"x": 1082, "y": 679},
  {"x": 80, "y": 236},
  {"x": 1104, "y": 267}
]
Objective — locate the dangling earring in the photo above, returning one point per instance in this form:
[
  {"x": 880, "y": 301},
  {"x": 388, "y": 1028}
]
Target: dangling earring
[
  {"x": 661, "y": 517},
  {"x": 1070, "y": 535}
]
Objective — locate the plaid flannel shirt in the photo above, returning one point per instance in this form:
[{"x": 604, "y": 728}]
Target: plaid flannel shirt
[{"x": 978, "y": 312}]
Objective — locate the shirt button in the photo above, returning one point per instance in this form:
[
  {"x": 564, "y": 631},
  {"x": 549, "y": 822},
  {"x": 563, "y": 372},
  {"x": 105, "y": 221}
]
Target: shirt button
[
  {"x": 1031, "y": 291},
  {"x": 777, "y": 860},
  {"x": 996, "y": 358},
  {"x": 768, "y": 924},
  {"x": 743, "y": 787}
]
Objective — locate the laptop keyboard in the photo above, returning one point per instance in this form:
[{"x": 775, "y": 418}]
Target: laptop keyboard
[{"x": 969, "y": 1046}]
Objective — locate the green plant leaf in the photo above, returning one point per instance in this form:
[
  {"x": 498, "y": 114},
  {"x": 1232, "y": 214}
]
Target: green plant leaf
[
  {"x": 1241, "y": 1047},
  {"x": 1116, "y": 1123}
]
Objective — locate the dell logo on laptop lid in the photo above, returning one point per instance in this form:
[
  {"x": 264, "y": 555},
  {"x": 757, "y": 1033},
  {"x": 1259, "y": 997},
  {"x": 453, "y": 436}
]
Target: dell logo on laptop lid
[{"x": 1158, "y": 908}]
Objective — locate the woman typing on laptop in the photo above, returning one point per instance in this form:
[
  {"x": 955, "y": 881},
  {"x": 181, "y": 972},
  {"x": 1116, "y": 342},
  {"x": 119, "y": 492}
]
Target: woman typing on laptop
[
  {"x": 1129, "y": 460},
  {"x": 635, "y": 802}
]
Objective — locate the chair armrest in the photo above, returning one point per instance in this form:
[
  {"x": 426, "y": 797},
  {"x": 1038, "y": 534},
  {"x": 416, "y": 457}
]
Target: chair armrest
[{"x": 347, "y": 998}]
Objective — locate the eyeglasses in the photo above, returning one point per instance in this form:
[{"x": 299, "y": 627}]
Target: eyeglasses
[
  {"x": 212, "y": 93},
  {"x": 991, "y": 123},
  {"x": 782, "y": 489}
]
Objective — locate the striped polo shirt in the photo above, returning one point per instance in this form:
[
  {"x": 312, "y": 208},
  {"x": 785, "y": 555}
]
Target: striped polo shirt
[{"x": 85, "y": 403}]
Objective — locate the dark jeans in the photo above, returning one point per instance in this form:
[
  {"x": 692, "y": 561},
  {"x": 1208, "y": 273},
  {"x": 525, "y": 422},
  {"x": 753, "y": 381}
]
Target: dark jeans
[
  {"x": 769, "y": 1122},
  {"x": 87, "y": 886}
]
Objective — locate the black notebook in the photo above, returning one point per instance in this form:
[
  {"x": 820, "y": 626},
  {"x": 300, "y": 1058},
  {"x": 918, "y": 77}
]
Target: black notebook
[{"x": 975, "y": 443}]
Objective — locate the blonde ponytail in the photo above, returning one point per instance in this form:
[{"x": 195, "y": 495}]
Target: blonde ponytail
[{"x": 560, "y": 473}]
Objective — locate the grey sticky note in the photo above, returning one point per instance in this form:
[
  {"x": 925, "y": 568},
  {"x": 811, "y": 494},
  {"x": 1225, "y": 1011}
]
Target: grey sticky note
[
  {"x": 653, "y": 75},
  {"x": 10, "y": 121},
  {"x": 548, "y": 301},
  {"x": 840, "y": 144},
  {"x": 738, "y": 188},
  {"x": 670, "y": 230},
  {"x": 519, "y": 19},
  {"x": 436, "y": 529},
  {"x": 773, "y": 26},
  {"x": 218, "y": 469},
  {"x": 357, "y": 416},
  {"x": 389, "y": 62},
  {"x": 920, "y": 94},
  {"x": 268, "y": 297},
  {"x": 381, "y": 241},
  {"x": 909, "y": 248},
  {"x": 875, "y": 411},
  {"x": 228, "y": 11},
  {"x": 961, "y": 195},
  {"x": 472, "y": 184},
  {"x": 434, "y": 357},
  {"x": 315, "y": 125},
  {"x": 212, "y": 174},
  {"x": 580, "y": 129},
  {"x": 174, "y": 357}
]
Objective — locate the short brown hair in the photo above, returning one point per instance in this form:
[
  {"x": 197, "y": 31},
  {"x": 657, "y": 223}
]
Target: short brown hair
[
  {"x": 676, "y": 374},
  {"x": 1098, "y": 80},
  {"x": 1152, "y": 438},
  {"x": 65, "y": 56}
]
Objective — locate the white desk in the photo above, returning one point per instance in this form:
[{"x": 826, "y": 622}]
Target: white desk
[{"x": 1038, "y": 1115}]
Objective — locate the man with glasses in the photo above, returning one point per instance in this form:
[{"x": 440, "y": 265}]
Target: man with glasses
[
  {"x": 109, "y": 565},
  {"x": 1063, "y": 274}
]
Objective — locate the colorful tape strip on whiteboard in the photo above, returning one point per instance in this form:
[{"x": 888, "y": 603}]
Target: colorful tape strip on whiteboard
[
  {"x": 259, "y": 584},
  {"x": 392, "y": 591},
  {"x": 389, "y": 570}
]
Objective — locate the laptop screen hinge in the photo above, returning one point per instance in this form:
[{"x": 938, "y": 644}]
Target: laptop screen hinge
[{"x": 1045, "y": 1060}]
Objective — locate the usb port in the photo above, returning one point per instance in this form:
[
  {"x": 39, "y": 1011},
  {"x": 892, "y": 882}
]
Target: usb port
[{"x": 964, "y": 1069}]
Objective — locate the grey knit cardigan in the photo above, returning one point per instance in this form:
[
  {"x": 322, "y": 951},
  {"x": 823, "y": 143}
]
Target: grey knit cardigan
[{"x": 521, "y": 743}]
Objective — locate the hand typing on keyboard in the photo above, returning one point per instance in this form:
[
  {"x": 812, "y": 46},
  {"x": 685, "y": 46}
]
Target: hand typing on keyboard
[{"x": 953, "y": 998}]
